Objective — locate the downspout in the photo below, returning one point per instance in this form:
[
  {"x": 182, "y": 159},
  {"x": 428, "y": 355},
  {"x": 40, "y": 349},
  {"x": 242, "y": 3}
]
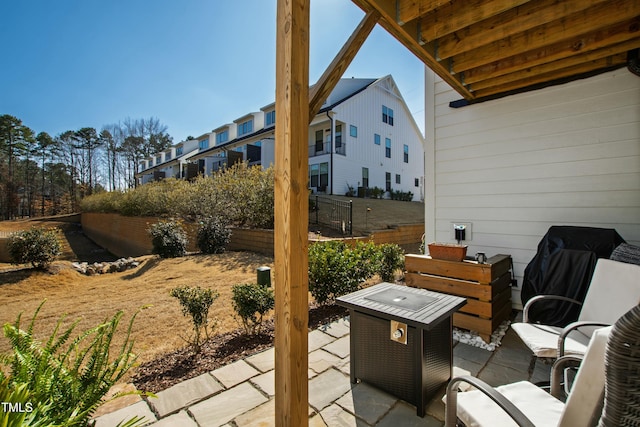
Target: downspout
[{"x": 329, "y": 115}]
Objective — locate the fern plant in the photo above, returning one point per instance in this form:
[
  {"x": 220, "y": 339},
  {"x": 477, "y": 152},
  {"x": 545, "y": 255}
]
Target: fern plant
[{"x": 65, "y": 379}]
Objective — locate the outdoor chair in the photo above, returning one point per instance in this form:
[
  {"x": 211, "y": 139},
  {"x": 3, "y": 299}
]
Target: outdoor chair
[
  {"x": 606, "y": 391},
  {"x": 614, "y": 289}
]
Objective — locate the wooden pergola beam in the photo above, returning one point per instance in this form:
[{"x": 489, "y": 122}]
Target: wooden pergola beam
[
  {"x": 408, "y": 34},
  {"x": 321, "y": 90},
  {"x": 291, "y": 213}
]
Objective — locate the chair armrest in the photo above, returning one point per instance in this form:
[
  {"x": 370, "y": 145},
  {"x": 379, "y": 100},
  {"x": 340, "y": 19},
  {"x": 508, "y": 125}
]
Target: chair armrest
[
  {"x": 572, "y": 327},
  {"x": 525, "y": 310},
  {"x": 557, "y": 371},
  {"x": 451, "y": 410}
]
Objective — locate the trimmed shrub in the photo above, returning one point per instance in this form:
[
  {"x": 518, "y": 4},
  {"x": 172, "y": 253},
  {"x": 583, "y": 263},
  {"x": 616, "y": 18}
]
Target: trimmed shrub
[
  {"x": 38, "y": 246},
  {"x": 391, "y": 259},
  {"x": 336, "y": 269},
  {"x": 401, "y": 195},
  {"x": 252, "y": 301},
  {"x": 327, "y": 266},
  {"x": 213, "y": 236},
  {"x": 65, "y": 379},
  {"x": 196, "y": 303},
  {"x": 168, "y": 238}
]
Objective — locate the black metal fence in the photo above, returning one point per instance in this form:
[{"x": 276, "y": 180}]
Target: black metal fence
[{"x": 336, "y": 214}]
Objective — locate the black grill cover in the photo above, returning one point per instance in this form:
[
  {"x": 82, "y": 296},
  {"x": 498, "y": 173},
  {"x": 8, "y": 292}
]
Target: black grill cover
[{"x": 564, "y": 265}]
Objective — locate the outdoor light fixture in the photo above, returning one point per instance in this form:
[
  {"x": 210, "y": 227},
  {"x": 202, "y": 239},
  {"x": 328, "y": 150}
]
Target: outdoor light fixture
[{"x": 460, "y": 231}]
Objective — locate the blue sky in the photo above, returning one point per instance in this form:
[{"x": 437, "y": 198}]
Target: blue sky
[{"x": 193, "y": 64}]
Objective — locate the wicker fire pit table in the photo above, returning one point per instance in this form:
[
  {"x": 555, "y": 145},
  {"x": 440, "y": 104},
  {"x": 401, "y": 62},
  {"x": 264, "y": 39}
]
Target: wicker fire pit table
[{"x": 401, "y": 340}]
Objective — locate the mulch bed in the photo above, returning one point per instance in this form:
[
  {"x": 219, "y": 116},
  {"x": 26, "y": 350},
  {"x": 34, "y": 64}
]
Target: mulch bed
[{"x": 218, "y": 351}]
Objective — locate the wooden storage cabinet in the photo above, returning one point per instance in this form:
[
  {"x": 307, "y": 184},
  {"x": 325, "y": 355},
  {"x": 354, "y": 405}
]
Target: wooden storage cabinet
[{"x": 487, "y": 288}]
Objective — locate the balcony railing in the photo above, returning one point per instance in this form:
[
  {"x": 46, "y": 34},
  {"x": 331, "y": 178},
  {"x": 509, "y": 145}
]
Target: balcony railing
[{"x": 325, "y": 148}]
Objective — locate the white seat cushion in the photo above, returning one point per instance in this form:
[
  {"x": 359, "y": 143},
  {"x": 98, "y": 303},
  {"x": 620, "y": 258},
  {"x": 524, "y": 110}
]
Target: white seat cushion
[
  {"x": 476, "y": 410},
  {"x": 543, "y": 339}
]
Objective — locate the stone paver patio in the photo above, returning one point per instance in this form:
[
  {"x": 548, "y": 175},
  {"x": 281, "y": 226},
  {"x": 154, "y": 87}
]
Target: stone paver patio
[{"x": 242, "y": 394}]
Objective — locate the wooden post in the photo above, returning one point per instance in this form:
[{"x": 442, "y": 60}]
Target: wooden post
[{"x": 291, "y": 213}]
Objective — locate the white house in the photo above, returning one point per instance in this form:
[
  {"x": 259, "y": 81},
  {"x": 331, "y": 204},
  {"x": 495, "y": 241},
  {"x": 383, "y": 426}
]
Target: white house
[
  {"x": 512, "y": 167},
  {"x": 170, "y": 163},
  {"x": 363, "y": 137}
]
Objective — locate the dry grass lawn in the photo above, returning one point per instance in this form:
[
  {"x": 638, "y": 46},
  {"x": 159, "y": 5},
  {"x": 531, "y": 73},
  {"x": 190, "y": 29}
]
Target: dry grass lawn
[
  {"x": 92, "y": 299},
  {"x": 159, "y": 328}
]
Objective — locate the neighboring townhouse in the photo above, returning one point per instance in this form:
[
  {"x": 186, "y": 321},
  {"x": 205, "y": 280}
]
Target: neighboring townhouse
[
  {"x": 363, "y": 137},
  {"x": 173, "y": 162}
]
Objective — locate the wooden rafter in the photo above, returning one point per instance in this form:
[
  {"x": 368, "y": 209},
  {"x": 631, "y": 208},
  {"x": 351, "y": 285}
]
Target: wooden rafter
[
  {"x": 408, "y": 10},
  {"x": 458, "y": 15},
  {"x": 509, "y": 24},
  {"x": 615, "y": 53},
  {"x": 486, "y": 46},
  {"x": 574, "y": 27},
  {"x": 599, "y": 40},
  {"x": 537, "y": 78}
]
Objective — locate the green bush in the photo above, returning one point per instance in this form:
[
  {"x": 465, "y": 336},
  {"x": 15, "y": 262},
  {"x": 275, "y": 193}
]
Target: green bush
[
  {"x": 196, "y": 303},
  {"x": 239, "y": 195},
  {"x": 391, "y": 259},
  {"x": 64, "y": 380},
  {"x": 105, "y": 202},
  {"x": 252, "y": 301},
  {"x": 376, "y": 192},
  {"x": 213, "y": 236},
  {"x": 405, "y": 196},
  {"x": 336, "y": 269},
  {"x": 38, "y": 246},
  {"x": 168, "y": 238}
]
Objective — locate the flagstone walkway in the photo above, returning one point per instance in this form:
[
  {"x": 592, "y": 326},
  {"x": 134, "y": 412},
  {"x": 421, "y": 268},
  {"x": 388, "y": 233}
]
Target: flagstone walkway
[{"x": 242, "y": 394}]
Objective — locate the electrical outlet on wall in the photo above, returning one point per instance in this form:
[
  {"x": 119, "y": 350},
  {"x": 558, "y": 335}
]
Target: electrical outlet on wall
[{"x": 463, "y": 230}]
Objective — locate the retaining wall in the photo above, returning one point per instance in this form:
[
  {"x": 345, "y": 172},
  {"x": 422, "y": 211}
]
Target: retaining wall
[{"x": 127, "y": 236}]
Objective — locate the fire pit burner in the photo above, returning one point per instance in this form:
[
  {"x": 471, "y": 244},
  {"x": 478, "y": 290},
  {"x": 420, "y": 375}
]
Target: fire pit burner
[{"x": 399, "y": 298}]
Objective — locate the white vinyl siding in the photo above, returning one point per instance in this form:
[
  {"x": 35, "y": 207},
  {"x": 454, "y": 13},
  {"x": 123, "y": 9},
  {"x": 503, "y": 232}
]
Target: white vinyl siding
[{"x": 563, "y": 155}]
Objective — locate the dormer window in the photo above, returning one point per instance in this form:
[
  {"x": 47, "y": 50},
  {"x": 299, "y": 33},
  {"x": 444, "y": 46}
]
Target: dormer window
[
  {"x": 179, "y": 151},
  {"x": 270, "y": 118},
  {"x": 158, "y": 159},
  {"x": 245, "y": 127},
  {"x": 203, "y": 144},
  {"x": 222, "y": 137},
  {"x": 167, "y": 155}
]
